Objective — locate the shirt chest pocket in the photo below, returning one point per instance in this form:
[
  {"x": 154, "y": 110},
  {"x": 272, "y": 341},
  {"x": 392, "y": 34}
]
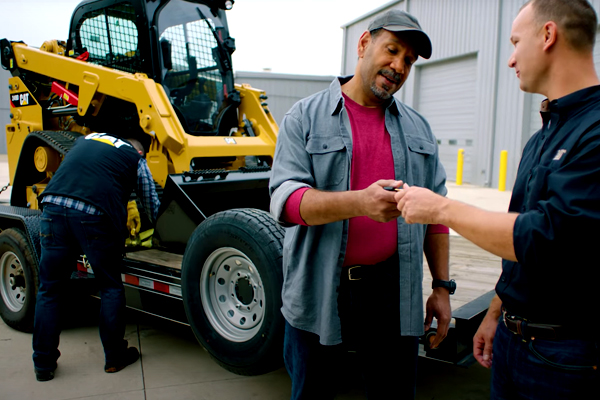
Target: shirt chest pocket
[
  {"x": 329, "y": 160},
  {"x": 419, "y": 157},
  {"x": 537, "y": 186}
]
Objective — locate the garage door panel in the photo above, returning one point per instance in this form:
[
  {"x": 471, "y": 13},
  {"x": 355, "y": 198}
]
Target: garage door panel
[
  {"x": 447, "y": 98},
  {"x": 449, "y": 158}
]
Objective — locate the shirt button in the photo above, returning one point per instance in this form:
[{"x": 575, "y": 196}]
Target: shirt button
[
  {"x": 421, "y": 147},
  {"x": 325, "y": 146},
  {"x": 503, "y": 279}
]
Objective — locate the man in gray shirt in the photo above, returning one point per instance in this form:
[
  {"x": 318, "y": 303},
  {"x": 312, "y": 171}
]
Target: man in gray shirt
[{"x": 353, "y": 271}]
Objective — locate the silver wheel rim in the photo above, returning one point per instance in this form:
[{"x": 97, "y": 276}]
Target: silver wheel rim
[
  {"x": 232, "y": 294},
  {"x": 13, "y": 285}
]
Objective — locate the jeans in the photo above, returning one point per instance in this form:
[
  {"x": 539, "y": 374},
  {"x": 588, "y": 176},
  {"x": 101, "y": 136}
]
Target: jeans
[
  {"x": 370, "y": 316},
  {"x": 65, "y": 235},
  {"x": 543, "y": 369}
]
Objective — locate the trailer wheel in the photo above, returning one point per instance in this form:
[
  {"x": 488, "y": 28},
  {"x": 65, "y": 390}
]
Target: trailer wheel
[
  {"x": 18, "y": 280},
  {"x": 231, "y": 286}
]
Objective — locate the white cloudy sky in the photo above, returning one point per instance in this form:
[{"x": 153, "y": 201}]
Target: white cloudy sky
[{"x": 287, "y": 36}]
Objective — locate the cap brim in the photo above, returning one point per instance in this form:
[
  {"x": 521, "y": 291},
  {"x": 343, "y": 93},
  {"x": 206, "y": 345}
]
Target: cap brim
[{"x": 418, "y": 39}]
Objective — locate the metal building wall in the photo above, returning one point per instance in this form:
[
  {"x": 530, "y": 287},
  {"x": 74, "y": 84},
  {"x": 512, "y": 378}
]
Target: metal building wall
[
  {"x": 283, "y": 90},
  {"x": 512, "y": 111},
  {"x": 457, "y": 29},
  {"x": 353, "y": 31},
  {"x": 504, "y": 116}
]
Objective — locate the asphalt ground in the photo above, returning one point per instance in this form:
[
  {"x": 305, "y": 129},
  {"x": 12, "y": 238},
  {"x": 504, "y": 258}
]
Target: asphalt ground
[{"x": 173, "y": 365}]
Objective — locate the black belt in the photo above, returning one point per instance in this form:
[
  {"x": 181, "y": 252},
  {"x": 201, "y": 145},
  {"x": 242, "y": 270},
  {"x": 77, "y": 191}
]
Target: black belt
[
  {"x": 530, "y": 330},
  {"x": 359, "y": 272}
]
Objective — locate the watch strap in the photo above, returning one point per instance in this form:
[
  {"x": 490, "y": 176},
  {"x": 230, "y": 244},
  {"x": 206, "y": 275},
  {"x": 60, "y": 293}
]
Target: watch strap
[{"x": 450, "y": 285}]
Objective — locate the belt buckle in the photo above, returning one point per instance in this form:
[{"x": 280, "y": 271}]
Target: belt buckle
[
  {"x": 350, "y": 278},
  {"x": 504, "y": 317},
  {"x": 516, "y": 321}
]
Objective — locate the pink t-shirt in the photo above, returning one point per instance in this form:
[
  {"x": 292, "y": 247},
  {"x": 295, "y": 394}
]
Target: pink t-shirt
[{"x": 369, "y": 242}]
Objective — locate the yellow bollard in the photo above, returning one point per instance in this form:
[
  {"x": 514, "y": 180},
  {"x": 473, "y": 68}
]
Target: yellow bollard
[
  {"x": 503, "y": 164},
  {"x": 459, "y": 166}
]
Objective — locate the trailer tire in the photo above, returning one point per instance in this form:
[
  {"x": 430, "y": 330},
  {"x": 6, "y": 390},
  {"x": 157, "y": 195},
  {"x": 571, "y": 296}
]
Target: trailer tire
[
  {"x": 231, "y": 285},
  {"x": 18, "y": 280}
]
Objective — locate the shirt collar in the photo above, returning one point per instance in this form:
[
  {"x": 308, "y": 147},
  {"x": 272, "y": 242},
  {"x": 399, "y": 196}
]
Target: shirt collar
[
  {"x": 572, "y": 102},
  {"x": 336, "y": 102}
]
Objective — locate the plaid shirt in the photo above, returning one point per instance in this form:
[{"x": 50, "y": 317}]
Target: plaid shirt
[{"x": 145, "y": 190}]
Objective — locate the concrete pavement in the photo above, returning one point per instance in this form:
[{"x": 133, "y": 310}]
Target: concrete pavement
[{"x": 175, "y": 366}]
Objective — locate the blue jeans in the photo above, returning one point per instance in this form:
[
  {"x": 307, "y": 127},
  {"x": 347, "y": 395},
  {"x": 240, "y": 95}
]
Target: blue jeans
[
  {"x": 65, "y": 235},
  {"x": 543, "y": 369},
  {"x": 370, "y": 317}
]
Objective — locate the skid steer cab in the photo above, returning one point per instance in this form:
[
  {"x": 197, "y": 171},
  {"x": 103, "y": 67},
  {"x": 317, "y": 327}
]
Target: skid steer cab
[{"x": 159, "y": 71}]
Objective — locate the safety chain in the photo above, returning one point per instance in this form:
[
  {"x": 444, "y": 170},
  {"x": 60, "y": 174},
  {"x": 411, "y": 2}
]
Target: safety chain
[{"x": 4, "y": 187}]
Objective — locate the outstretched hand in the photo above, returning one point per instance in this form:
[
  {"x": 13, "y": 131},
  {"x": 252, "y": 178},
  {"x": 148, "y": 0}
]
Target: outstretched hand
[{"x": 418, "y": 205}]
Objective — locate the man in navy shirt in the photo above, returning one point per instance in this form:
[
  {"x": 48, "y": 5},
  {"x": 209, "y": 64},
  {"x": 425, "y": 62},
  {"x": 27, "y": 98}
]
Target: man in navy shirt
[
  {"x": 84, "y": 212},
  {"x": 542, "y": 325}
]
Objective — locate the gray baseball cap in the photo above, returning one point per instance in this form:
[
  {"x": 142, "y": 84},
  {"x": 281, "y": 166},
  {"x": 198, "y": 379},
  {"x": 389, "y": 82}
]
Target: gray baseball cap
[{"x": 401, "y": 21}]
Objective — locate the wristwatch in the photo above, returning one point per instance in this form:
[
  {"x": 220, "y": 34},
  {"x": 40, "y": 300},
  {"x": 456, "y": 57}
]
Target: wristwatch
[{"x": 450, "y": 285}]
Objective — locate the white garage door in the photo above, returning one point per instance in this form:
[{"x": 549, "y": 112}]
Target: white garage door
[{"x": 447, "y": 100}]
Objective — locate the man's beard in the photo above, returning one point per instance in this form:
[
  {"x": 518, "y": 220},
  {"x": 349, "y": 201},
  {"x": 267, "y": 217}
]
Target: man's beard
[{"x": 383, "y": 94}]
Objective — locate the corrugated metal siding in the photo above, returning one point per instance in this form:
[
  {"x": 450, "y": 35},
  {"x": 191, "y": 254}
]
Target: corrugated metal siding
[
  {"x": 456, "y": 28},
  {"x": 353, "y": 32},
  {"x": 512, "y": 113},
  {"x": 504, "y": 116},
  {"x": 283, "y": 90}
]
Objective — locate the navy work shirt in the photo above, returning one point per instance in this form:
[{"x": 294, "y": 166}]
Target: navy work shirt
[{"x": 557, "y": 234}]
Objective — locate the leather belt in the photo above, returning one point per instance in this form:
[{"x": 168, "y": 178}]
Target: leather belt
[
  {"x": 529, "y": 330},
  {"x": 359, "y": 272}
]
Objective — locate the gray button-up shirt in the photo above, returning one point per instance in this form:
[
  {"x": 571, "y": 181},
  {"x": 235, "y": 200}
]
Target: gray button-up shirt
[{"x": 314, "y": 149}]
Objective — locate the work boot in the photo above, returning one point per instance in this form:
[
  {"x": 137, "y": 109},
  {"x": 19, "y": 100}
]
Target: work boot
[
  {"x": 43, "y": 376},
  {"x": 131, "y": 356}
]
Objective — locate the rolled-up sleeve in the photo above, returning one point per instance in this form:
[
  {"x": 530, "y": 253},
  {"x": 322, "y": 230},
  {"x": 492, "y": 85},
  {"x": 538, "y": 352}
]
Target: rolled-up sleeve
[
  {"x": 292, "y": 167},
  {"x": 563, "y": 224}
]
